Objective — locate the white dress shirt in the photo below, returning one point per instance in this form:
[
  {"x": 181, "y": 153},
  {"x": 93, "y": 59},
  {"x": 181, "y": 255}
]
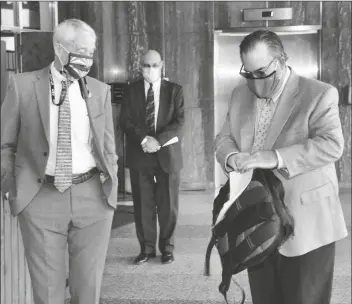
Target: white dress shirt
[
  {"x": 156, "y": 89},
  {"x": 82, "y": 156}
]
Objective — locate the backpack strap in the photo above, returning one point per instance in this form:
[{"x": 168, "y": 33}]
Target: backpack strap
[
  {"x": 225, "y": 286},
  {"x": 266, "y": 231},
  {"x": 210, "y": 247}
]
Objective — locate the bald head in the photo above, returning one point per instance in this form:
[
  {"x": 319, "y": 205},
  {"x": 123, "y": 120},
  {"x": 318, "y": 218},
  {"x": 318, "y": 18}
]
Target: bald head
[
  {"x": 152, "y": 65},
  {"x": 151, "y": 56}
]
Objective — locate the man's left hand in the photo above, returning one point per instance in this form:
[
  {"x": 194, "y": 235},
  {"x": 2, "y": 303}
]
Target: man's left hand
[
  {"x": 258, "y": 160},
  {"x": 151, "y": 146}
]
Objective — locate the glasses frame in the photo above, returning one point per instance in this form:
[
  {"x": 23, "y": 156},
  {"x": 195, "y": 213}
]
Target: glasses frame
[
  {"x": 154, "y": 66},
  {"x": 250, "y": 75}
]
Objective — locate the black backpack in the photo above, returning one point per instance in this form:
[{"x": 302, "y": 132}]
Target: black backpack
[{"x": 254, "y": 226}]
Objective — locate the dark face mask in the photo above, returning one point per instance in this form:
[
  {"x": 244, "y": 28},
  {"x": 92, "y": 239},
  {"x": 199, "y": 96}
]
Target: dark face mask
[{"x": 264, "y": 88}]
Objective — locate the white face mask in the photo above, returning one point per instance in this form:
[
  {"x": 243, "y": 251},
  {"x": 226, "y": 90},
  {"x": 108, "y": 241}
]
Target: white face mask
[{"x": 151, "y": 72}]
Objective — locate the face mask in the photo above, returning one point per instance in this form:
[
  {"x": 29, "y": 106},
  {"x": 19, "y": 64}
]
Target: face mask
[
  {"x": 78, "y": 65},
  {"x": 265, "y": 88},
  {"x": 151, "y": 73}
]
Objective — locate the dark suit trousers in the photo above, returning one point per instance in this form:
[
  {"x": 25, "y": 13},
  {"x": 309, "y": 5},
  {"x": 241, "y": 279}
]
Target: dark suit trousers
[
  {"x": 155, "y": 199},
  {"x": 77, "y": 222},
  {"x": 305, "y": 279}
]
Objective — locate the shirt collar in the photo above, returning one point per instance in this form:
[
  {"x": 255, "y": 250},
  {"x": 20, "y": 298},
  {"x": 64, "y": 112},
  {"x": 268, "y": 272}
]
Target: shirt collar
[
  {"x": 58, "y": 76},
  {"x": 156, "y": 84}
]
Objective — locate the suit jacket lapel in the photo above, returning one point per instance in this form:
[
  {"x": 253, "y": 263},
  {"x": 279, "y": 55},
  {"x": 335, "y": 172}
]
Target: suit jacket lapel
[
  {"x": 95, "y": 112},
  {"x": 43, "y": 99},
  {"x": 286, "y": 103},
  {"x": 247, "y": 123},
  {"x": 162, "y": 104}
]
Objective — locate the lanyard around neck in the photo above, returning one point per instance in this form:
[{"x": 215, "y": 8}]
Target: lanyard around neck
[{"x": 52, "y": 91}]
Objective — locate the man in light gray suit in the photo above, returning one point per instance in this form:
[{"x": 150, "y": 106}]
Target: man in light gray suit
[
  {"x": 289, "y": 124},
  {"x": 59, "y": 168}
]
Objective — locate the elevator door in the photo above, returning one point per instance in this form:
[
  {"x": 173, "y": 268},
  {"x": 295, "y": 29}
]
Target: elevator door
[{"x": 301, "y": 45}]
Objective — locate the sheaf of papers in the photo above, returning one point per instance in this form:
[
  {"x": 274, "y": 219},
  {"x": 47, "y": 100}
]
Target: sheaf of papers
[
  {"x": 171, "y": 141},
  {"x": 238, "y": 183}
]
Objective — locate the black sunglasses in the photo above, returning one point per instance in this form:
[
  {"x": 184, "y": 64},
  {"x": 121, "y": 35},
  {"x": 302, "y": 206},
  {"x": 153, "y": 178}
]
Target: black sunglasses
[{"x": 258, "y": 74}]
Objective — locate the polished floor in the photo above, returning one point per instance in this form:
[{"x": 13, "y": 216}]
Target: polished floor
[{"x": 183, "y": 281}]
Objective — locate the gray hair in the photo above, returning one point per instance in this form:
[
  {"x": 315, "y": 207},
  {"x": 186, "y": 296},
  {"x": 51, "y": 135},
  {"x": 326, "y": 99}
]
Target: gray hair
[
  {"x": 72, "y": 27},
  {"x": 271, "y": 39}
]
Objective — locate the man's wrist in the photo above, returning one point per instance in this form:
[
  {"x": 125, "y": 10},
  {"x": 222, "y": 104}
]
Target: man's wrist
[{"x": 228, "y": 168}]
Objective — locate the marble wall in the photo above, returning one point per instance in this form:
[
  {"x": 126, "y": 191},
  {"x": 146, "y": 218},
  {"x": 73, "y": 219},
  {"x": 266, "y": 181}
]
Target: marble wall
[
  {"x": 336, "y": 69},
  {"x": 183, "y": 33}
]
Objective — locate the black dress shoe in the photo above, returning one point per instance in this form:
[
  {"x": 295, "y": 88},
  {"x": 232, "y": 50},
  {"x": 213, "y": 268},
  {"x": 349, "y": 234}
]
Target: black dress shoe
[
  {"x": 144, "y": 257},
  {"x": 167, "y": 258}
]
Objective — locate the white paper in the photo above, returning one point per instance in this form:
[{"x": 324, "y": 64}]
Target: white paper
[
  {"x": 238, "y": 183},
  {"x": 171, "y": 141}
]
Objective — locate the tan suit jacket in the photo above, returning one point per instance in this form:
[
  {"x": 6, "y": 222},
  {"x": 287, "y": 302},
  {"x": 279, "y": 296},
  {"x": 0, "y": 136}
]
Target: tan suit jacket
[
  {"x": 25, "y": 136},
  {"x": 306, "y": 131}
]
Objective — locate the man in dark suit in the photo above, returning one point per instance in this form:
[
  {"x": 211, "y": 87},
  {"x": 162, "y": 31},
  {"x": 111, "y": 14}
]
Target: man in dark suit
[
  {"x": 152, "y": 117},
  {"x": 59, "y": 168}
]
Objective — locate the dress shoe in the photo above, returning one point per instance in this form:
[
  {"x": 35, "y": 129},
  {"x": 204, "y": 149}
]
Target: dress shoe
[
  {"x": 167, "y": 258},
  {"x": 144, "y": 257}
]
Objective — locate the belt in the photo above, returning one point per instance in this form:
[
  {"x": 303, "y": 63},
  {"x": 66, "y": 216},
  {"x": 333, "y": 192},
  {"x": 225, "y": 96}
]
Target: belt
[{"x": 76, "y": 178}]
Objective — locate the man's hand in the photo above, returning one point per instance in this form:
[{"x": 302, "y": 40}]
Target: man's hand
[
  {"x": 237, "y": 158},
  {"x": 260, "y": 159},
  {"x": 151, "y": 145}
]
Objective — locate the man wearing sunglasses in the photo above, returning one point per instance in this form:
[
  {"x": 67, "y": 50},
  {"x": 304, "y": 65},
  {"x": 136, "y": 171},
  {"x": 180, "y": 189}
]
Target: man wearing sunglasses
[
  {"x": 152, "y": 117},
  {"x": 59, "y": 166},
  {"x": 289, "y": 124}
]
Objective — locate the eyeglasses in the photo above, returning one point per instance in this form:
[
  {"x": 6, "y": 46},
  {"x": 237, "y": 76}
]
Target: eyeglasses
[
  {"x": 258, "y": 74},
  {"x": 154, "y": 65}
]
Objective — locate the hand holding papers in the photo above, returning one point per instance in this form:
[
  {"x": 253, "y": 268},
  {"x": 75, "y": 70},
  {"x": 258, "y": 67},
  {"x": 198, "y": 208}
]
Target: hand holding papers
[
  {"x": 149, "y": 145},
  {"x": 238, "y": 183}
]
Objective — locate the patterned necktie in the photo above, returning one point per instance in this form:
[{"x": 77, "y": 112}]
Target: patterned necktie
[
  {"x": 263, "y": 125},
  {"x": 63, "y": 169},
  {"x": 150, "y": 111}
]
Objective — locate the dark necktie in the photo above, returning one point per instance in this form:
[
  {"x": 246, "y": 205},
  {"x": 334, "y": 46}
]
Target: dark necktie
[
  {"x": 150, "y": 111},
  {"x": 63, "y": 168}
]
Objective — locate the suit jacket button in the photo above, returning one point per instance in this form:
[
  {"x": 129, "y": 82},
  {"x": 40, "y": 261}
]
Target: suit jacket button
[
  {"x": 45, "y": 154},
  {"x": 39, "y": 180}
]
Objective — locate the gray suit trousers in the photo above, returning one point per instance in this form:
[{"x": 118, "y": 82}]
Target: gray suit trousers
[{"x": 78, "y": 220}]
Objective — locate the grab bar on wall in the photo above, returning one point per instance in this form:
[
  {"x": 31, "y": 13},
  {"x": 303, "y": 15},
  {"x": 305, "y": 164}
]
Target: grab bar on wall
[{"x": 278, "y": 29}]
